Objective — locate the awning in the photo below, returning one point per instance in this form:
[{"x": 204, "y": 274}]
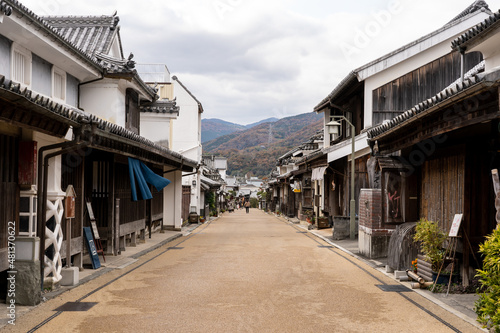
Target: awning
[
  {"x": 318, "y": 173},
  {"x": 144, "y": 176}
]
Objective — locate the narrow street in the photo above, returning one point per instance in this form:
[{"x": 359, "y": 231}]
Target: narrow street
[{"x": 243, "y": 273}]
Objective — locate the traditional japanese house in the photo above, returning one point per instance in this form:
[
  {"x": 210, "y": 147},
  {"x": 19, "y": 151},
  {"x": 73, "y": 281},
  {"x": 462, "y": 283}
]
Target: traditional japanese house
[
  {"x": 450, "y": 141},
  {"x": 69, "y": 115},
  {"x": 297, "y": 187},
  {"x": 373, "y": 95}
]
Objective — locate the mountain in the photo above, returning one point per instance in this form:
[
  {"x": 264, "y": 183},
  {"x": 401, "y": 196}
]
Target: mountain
[
  {"x": 256, "y": 149},
  {"x": 214, "y": 128},
  {"x": 268, "y": 120}
]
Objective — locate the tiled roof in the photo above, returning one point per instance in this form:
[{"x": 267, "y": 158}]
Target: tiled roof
[
  {"x": 309, "y": 146},
  {"x": 161, "y": 106},
  {"x": 5, "y": 8},
  {"x": 94, "y": 36},
  {"x": 349, "y": 81},
  {"x": 476, "y": 5},
  {"x": 74, "y": 116},
  {"x": 352, "y": 78},
  {"x": 44, "y": 26},
  {"x": 91, "y": 34},
  {"x": 442, "y": 96},
  {"x": 487, "y": 25},
  {"x": 114, "y": 65},
  {"x": 200, "y": 107},
  {"x": 312, "y": 156},
  {"x": 123, "y": 67}
]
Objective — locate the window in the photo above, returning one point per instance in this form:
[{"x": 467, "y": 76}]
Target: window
[
  {"x": 27, "y": 214},
  {"x": 58, "y": 84},
  {"x": 21, "y": 65}
]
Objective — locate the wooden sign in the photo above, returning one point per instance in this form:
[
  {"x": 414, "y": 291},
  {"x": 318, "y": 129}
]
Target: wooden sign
[
  {"x": 69, "y": 202},
  {"x": 69, "y": 211},
  {"x": 94, "y": 257},
  {"x": 94, "y": 229},
  {"x": 89, "y": 209},
  {"x": 455, "y": 226}
]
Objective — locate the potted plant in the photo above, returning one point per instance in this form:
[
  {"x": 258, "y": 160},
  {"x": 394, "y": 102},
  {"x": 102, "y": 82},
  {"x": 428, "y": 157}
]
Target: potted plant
[
  {"x": 322, "y": 222},
  {"x": 309, "y": 214},
  {"x": 431, "y": 239}
]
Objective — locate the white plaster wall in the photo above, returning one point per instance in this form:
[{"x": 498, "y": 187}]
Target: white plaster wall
[
  {"x": 490, "y": 50},
  {"x": 172, "y": 201},
  {"x": 186, "y": 138},
  {"x": 54, "y": 171},
  {"x": 186, "y": 134},
  {"x": 105, "y": 99},
  {"x": 155, "y": 126}
]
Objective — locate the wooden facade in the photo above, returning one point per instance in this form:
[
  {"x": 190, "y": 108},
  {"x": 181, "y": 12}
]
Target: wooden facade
[
  {"x": 414, "y": 87},
  {"x": 443, "y": 186},
  {"x": 9, "y": 193},
  {"x": 452, "y": 150},
  {"x": 186, "y": 200}
]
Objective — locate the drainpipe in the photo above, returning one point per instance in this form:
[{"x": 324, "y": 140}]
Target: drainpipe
[
  {"x": 42, "y": 173},
  {"x": 462, "y": 64},
  {"x": 83, "y": 83}
]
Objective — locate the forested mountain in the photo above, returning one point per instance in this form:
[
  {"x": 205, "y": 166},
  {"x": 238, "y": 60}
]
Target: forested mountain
[
  {"x": 214, "y": 128},
  {"x": 268, "y": 120},
  {"x": 257, "y": 149}
]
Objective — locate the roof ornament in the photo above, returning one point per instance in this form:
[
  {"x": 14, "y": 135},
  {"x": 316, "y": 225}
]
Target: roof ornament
[
  {"x": 116, "y": 19},
  {"x": 5, "y": 8},
  {"x": 130, "y": 63}
]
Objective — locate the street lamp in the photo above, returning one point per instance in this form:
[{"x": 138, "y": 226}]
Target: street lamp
[{"x": 333, "y": 128}]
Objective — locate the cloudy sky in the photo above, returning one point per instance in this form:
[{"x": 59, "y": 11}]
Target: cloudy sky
[{"x": 250, "y": 60}]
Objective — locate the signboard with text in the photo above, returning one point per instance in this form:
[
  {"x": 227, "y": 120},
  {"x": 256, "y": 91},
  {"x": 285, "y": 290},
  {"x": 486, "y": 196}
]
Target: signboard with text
[{"x": 455, "y": 226}]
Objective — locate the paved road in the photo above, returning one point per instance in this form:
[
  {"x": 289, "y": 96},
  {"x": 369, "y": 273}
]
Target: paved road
[{"x": 244, "y": 273}]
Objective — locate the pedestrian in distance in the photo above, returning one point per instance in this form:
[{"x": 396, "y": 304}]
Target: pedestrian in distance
[{"x": 247, "y": 206}]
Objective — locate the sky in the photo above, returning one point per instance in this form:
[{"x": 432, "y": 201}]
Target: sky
[{"x": 248, "y": 60}]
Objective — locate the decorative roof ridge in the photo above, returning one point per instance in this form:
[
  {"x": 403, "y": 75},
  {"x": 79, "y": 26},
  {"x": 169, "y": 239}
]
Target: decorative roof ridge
[
  {"x": 129, "y": 63},
  {"x": 475, "y": 6},
  {"x": 112, "y": 20},
  {"x": 161, "y": 106}
]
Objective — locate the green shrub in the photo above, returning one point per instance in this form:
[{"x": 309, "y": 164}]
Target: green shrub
[
  {"x": 254, "y": 203},
  {"x": 431, "y": 239},
  {"x": 487, "y": 306}
]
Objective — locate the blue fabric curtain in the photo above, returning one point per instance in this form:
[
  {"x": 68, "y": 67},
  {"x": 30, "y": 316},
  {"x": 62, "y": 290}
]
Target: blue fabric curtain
[{"x": 142, "y": 175}]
